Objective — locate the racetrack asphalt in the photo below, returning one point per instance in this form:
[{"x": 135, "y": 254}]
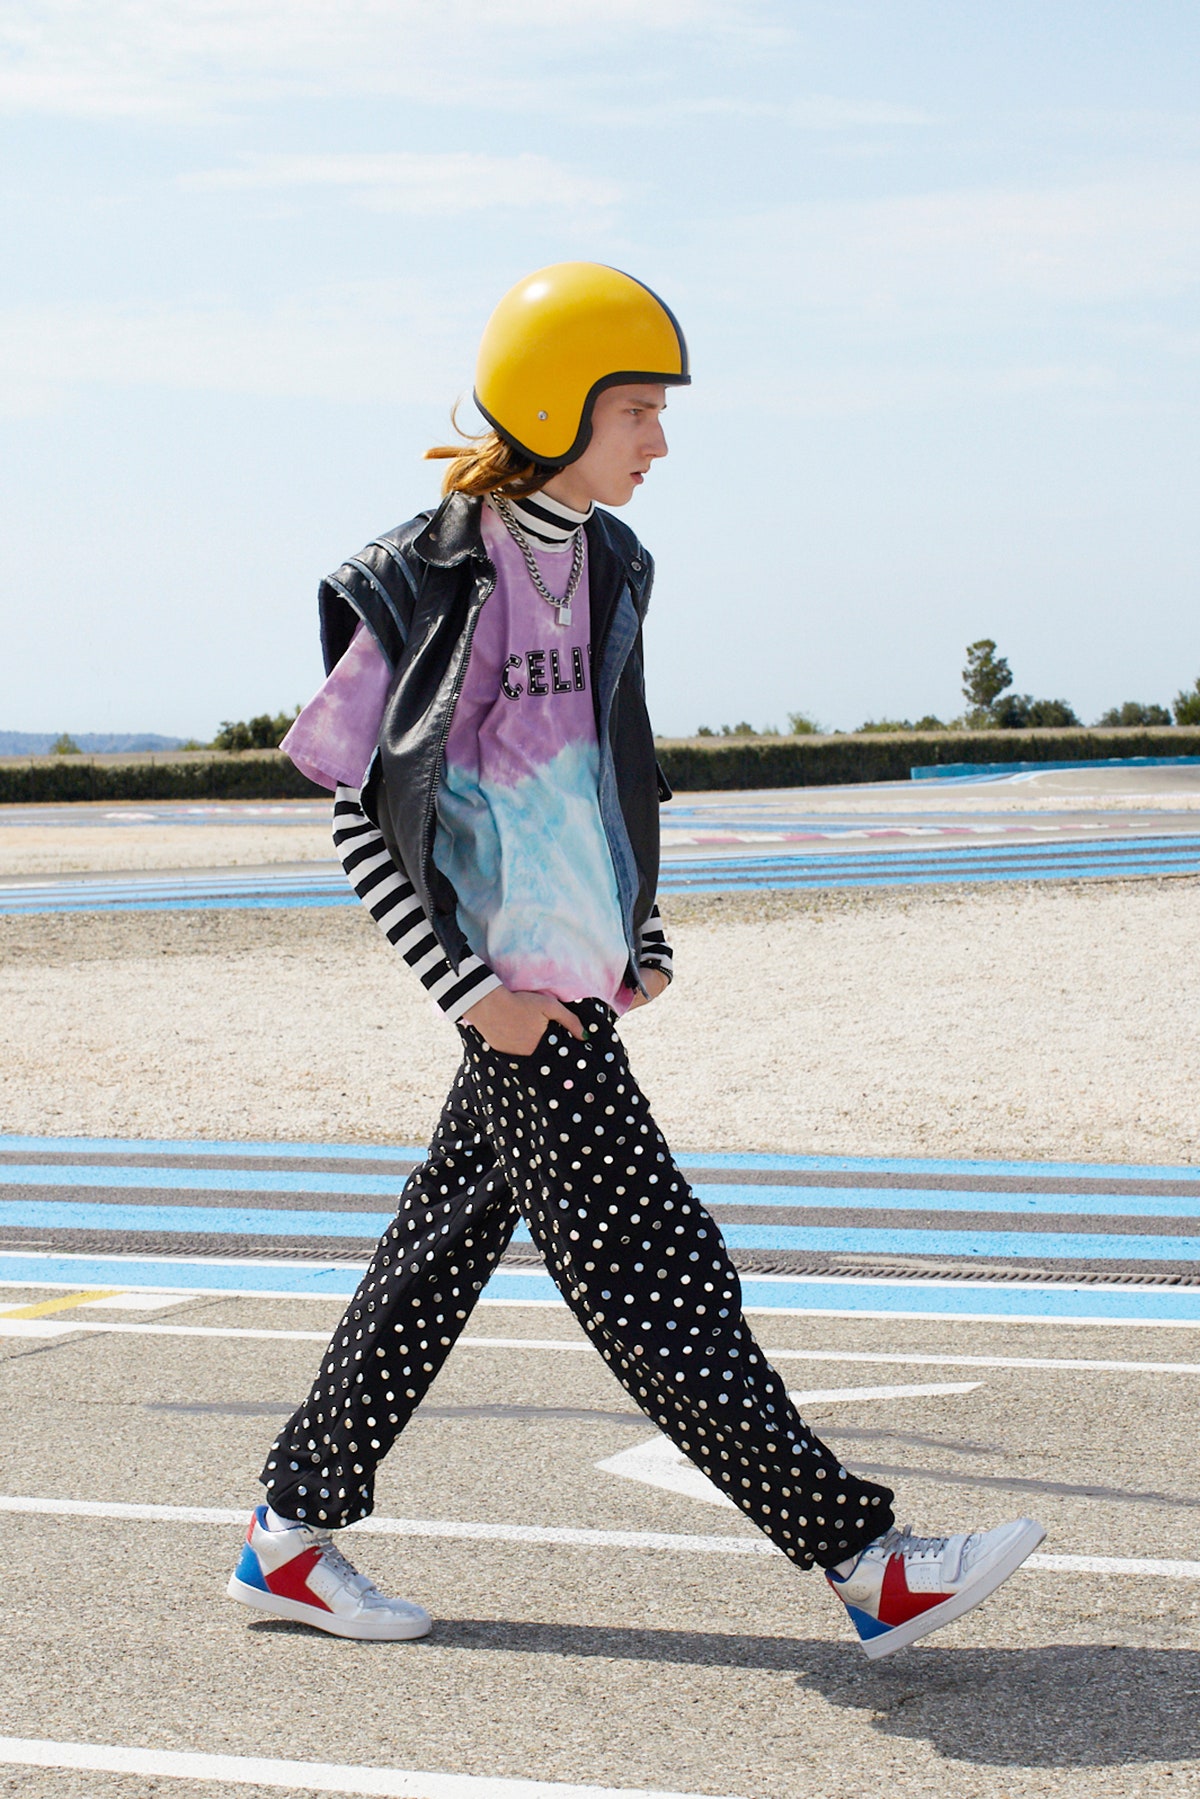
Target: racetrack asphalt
[
  {"x": 602, "y": 1627},
  {"x": 930, "y": 833},
  {"x": 592, "y": 1628}
]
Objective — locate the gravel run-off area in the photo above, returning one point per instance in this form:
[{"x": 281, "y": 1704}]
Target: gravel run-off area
[{"x": 1056, "y": 1021}]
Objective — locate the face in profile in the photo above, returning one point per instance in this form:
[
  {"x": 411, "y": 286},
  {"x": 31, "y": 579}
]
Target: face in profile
[{"x": 627, "y": 436}]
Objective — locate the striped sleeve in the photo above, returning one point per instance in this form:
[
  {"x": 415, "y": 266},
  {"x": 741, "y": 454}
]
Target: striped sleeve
[
  {"x": 653, "y": 949},
  {"x": 389, "y": 896}
]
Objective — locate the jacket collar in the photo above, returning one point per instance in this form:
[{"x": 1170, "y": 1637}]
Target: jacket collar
[{"x": 452, "y": 534}]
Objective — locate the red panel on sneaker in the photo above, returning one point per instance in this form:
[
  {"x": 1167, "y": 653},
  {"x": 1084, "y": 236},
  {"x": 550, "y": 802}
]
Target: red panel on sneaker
[
  {"x": 896, "y": 1603},
  {"x": 291, "y": 1581}
]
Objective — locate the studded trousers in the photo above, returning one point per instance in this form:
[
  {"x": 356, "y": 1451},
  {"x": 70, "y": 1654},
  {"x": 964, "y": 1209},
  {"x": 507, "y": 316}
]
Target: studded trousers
[{"x": 565, "y": 1139}]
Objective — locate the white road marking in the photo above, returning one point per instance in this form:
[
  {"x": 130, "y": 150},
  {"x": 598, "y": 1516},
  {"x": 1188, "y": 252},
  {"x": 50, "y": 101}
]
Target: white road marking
[
  {"x": 309, "y": 1777},
  {"x": 678, "y": 1543},
  {"x": 979, "y": 1361},
  {"x": 658, "y": 1463},
  {"x": 1053, "y": 1318},
  {"x": 819, "y": 1395},
  {"x": 1113, "y": 1564},
  {"x": 54, "y": 1327},
  {"x": 37, "y": 1327},
  {"x": 134, "y": 1302},
  {"x": 404, "y": 1527}
]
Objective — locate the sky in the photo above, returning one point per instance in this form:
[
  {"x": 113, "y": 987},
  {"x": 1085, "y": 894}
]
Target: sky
[{"x": 937, "y": 264}]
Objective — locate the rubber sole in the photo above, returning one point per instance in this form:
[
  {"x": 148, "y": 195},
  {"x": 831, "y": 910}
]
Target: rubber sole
[
  {"x": 387, "y": 1630},
  {"x": 965, "y": 1600}
]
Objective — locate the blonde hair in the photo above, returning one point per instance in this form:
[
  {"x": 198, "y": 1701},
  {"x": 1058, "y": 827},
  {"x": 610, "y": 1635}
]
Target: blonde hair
[{"x": 483, "y": 463}]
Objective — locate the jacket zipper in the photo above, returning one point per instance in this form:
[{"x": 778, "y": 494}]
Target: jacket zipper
[
  {"x": 604, "y": 730},
  {"x": 427, "y": 838}
]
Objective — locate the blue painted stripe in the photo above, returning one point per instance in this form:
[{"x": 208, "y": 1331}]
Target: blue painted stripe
[
  {"x": 276, "y": 902},
  {"x": 769, "y": 880},
  {"x": 106, "y": 1177},
  {"x": 190, "y": 1221},
  {"x": 1090, "y": 1246},
  {"x": 895, "y": 1298},
  {"x": 196, "y": 1180},
  {"x": 183, "y": 1146},
  {"x": 779, "y": 877},
  {"x": 913, "y": 856},
  {"x": 1072, "y": 849},
  {"x": 135, "y": 1273},
  {"x": 936, "y": 860},
  {"x": 732, "y": 1160},
  {"x": 243, "y": 1221},
  {"x": 941, "y": 1199},
  {"x": 965, "y": 770},
  {"x": 937, "y": 864}
]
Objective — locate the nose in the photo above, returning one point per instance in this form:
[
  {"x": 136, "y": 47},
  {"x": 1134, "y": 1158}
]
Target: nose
[{"x": 656, "y": 440}]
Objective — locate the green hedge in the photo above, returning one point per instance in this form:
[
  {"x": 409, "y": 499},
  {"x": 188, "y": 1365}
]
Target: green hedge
[
  {"x": 251, "y": 776},
  {"x": 693, "y": 765},
  {"x": 751, "y": 762}
]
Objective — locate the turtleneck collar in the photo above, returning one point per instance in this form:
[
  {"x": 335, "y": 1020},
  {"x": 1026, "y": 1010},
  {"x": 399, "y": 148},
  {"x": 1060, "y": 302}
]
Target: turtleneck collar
[{"x": 547, "y": 523}]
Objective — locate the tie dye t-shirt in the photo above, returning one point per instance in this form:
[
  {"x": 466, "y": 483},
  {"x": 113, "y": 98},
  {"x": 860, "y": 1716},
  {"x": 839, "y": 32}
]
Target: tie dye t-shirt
[{"x": 519, "y": 832}]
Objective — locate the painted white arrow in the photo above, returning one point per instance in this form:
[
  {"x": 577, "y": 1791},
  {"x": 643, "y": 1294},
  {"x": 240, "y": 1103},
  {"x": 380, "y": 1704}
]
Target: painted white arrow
[{"x": 659, "y": 1464}]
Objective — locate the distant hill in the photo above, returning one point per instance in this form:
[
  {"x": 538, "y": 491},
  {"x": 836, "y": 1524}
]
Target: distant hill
[{"x": 96, "y": 743}]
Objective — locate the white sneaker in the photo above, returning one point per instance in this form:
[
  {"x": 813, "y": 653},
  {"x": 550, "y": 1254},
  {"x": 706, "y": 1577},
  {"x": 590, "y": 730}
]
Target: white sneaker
[
  {"x": 301, "y": 1574},
  {"x": 901, "y": 1587}
]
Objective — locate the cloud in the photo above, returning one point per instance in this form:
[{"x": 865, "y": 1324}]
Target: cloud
[
  {"x": 390, "y": 341},
  {"x": 968, "y": 255},
  {"x": 437, "y": 183},
  {"x": 853, "y": 390},
  {"x": 174, "y": 59},
  {"x": 807, "y": 112}
]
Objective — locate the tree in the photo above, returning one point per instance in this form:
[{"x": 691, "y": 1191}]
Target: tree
[
  {"x": 1133, "y": 712},
  {"x": 1187, "y": 705},
  {"x": 64, "y": 746},
  {"x": 261, "y": 733},
  {"x": 1049, "y": 715},
  {"x": 802, "y": 724},
  {"x": 986, "y": 675},
  {"x": 1021, "y": 712}
]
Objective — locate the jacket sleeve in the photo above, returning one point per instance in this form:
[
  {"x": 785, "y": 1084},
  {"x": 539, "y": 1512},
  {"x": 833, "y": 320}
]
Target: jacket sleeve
[
  {"x": 653, "y": 949},
  {"x": 390, "y": 898}
]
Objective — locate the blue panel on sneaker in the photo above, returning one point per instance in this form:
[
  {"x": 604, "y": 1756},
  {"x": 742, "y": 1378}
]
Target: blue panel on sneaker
[
  {"x": 249, "y": 1572},
  {"x": 864, "y": 1624}
]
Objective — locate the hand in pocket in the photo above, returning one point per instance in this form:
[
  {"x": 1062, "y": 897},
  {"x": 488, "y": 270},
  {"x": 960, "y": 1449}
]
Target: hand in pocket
[{"x": 513, "y": 1024}]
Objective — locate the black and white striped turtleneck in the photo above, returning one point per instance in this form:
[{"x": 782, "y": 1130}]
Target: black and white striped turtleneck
[
  {"x": 547, "y": 523},
  {"x": 389, "y": 896}
]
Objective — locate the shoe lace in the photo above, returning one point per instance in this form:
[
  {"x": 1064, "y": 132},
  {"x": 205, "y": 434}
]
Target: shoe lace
[
  {"x": 344, "y": 1567},
  {"x": 903, "y": 1542}
]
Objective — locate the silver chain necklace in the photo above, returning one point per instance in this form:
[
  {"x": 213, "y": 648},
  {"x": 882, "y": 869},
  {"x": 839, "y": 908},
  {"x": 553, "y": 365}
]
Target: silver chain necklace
[{"x": 562, "y": 608}]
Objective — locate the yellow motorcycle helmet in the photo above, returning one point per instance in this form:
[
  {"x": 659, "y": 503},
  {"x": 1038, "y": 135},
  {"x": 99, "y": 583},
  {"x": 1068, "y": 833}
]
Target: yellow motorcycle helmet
[{"x": 560, "y": 337}]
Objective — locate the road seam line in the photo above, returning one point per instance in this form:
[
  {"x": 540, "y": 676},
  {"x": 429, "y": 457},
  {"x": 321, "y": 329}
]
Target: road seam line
[{"x": 549, "y": 1535}]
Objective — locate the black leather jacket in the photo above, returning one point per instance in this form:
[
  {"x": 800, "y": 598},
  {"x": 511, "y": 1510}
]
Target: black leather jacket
[{"x": 420, "y": 589}]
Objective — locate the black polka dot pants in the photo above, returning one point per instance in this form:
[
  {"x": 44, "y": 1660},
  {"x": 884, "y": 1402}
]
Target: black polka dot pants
[{"x": 564, "y": 1138}]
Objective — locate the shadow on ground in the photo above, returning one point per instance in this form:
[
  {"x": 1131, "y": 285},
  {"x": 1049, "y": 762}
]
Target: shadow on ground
[{"x": 1073, "y": 1706}]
